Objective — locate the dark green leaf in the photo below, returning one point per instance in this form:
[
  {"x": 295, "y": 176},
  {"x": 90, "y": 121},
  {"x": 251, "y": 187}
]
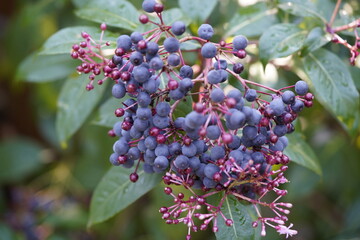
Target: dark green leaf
[
  {"x": 281, "y": 40},
  {"x": 334, "y": 87},
  {"x": 315, "y": 40},
  {"x": 196, "y": 9},
  {"x": 118, "y": 13},
  {"x": 106, "y": 116},
  {"x": 301, "y": 153},
  {"x": 74, "y": 105},
  {"x": 251, "y": 21},
  {"x": 62, "y": 41},
  {"x": 115, "y": 192},
  {"x": 301, "y": 8},
  {"x": 19, "y": 158},
  {"x": 46, "y": 68},
  {"x": 242, "y": 216},
  {"x": 184, "y": 107}
]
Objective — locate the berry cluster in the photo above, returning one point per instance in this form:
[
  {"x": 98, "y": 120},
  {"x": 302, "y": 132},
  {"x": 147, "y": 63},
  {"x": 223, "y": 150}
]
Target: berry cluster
[{"x": 227, "y": 144}]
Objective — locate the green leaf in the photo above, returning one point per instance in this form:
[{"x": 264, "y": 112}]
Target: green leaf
[
  {"x": 301, "y": 8},
  {"x": 121, "y": 14},
  {"x": 251, "y": 21},
  {"x": 115, "y": 192},
  {"x": 184, "y": 107},
  {"x": 62, "y": 41},
  {"x": 197, "y": 9},
  {"x": 105, "y": 116},
  {"x": 19, "y": 158},
  {"x": 315, "y": 40},
  {"x": 334, "y": 87},
  {"x": 242, "y": 216},
  {"x": 75, "y": 104},
  {"x": 45, "y": 68},
  {"x": 301, "y": 153},
  {"x": 281, "y": 40}
]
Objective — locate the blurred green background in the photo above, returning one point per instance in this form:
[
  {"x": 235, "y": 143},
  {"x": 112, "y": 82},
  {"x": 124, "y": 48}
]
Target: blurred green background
[{"x": 46, "y": 189}]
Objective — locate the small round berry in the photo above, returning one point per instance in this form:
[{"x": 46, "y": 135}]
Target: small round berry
[
  {"x": 143, "y": 18},
  {"x": 240, "y": 42},
  {"x": 158, "y": 8},
  {"x": 149, "y": 5},
  {"x": 171, "y": 44},
  {"x": 178, "y": 28},
  {"x": 205, "y": 31},
  {"x": 134, "y": 177},
  {"x": 208, "y": 50},
  {"x": 301, "y": 87}
]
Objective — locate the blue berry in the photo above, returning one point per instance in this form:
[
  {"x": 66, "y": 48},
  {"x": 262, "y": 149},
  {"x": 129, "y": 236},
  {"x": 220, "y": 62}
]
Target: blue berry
[
  {"x": 151, "y": 85},
  {"x": 186, "y": 85},
  {"x": 254, "y": 118},
  {"x": 237, "y": 119},
  {"x": 220, "y": 64},
  {"x": 181, "y": 162},
  {"x": 186, "y": 72},
  {"x": 194, "y": 163},
  {"x": 288, "y": 97},
  {"x": 301, "y": 87},
  {"x": 205, "y": 31},
  {"x": 237, "y": 156},
  {"x": 117, "y": 129},
  {"x": 173, "y": 60},
  {"x": 161, "y": 122},
  {"x": 161, "y": 163},
  {"x": 143, "y": 113},
  {"x": 143, "y": 99},
  {"x": 152, "y": 48},
  {"x": 130, "y": 102},
  {"x": 280, "y": 130},
  {"x": 297, "y": 106},
  {"x": 114, "y": 159},
  {"x": 250, "y": 95},
  {"x": 156, "y": 63},
  {"x": 259, "y": 140},
  {"x": 235, "y": 142},
  {"x": 162, "y": 150},
  {"x": 118, "y": 90},
  {"x": 124, "y": 42},
  {"x": 141, "y": 125},
  {"x": 208, "y": 50},
  {"x": 171, "y": 44},
  {"x": 179, "y": 122},
  {"x": 213, "y": 132},
  {"x": 214, "y": 77},
  {"x": 136, "y": 58},
  {"x": 141, "y": 74},
  {"x": 200, "y": 146},
  {"x": 189, "y": 151},
  {"x": 175, "y": 148},
  {"x": 141, "y": 146},
  {"x": 217, "y": 152},
  {"x": 210, "y": 169},
  {"x": 258, "y": 157},
  {"x": 134, "y": 153},
  {"x": 121, "y": 147},
  {"x": 148, "y": 5},
  {"x": 176, "y": 94},
  {"x": 136, "y": 37},
  {"x": 250, "y": 132},
  {"x": 235, "y": 93},
  {"x": 150, "y": 142},
  {"x": 148, "y": 168},
  {"x": 277, "y": 105},
  {"x": 217, "y": 95},
  {"x": 240, "y": 42},
  {"x": 209, "y": 183},
  {"x": 194, "y": 120},
  {"x": 163, "y": 109},
  {"x": 178, "y": 28}
]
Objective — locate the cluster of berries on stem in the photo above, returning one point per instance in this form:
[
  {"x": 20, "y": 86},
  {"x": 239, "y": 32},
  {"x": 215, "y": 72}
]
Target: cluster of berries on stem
[{"x": 230, "y": 143}]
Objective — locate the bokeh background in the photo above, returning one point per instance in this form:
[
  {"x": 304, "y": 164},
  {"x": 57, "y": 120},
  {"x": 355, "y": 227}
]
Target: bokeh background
[{"x": 45, "y": 189}]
